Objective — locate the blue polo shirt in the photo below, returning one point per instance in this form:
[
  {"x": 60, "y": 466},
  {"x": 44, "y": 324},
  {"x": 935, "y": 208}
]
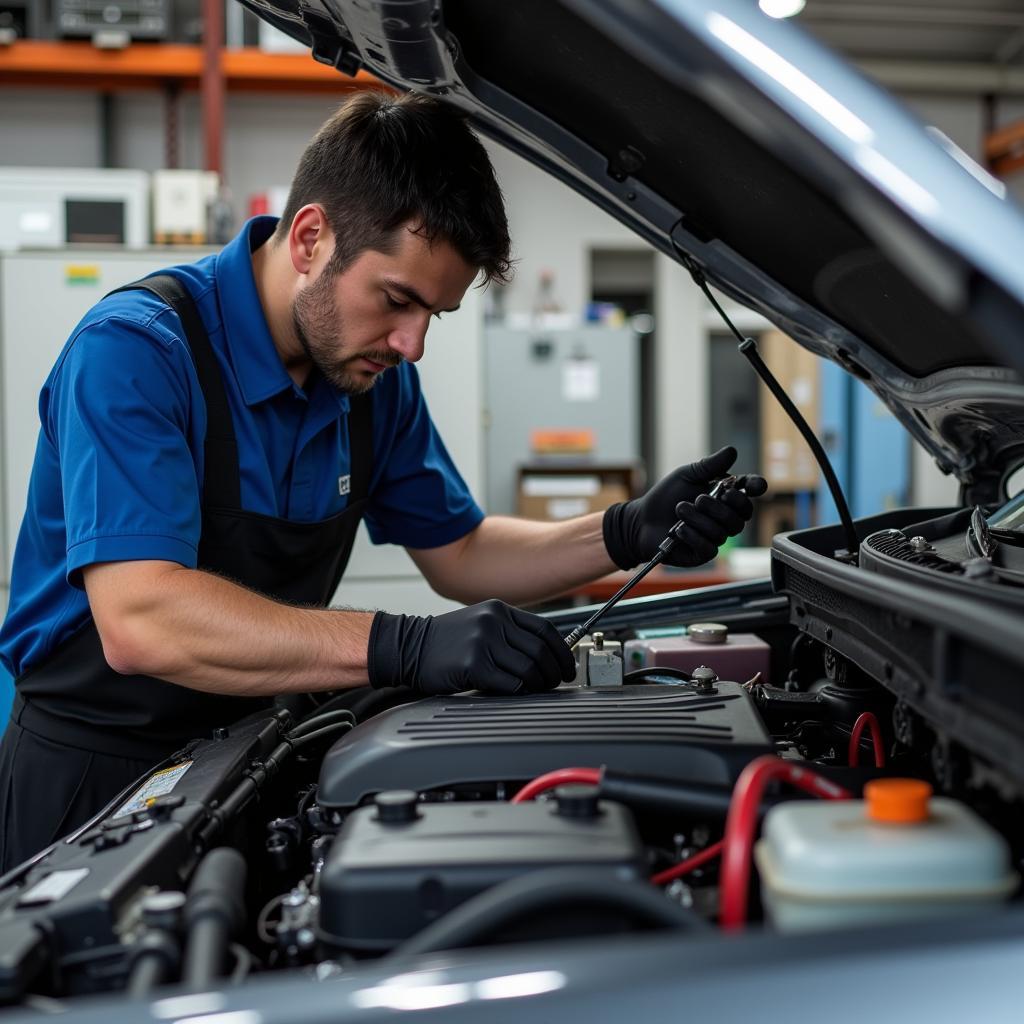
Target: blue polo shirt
[{"x": 118, "y": 469}]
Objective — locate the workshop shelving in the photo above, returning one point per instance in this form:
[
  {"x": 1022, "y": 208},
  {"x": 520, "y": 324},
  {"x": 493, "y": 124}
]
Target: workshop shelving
[
  {"x": 172, "y": 68},
  {"x": 74, "y": 64}
]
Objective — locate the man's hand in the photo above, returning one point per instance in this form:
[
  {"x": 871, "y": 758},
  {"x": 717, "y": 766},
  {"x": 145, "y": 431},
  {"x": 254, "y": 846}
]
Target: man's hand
[
  {"x": 490, "y": 646},
  {"x": 633, "y": 530}
]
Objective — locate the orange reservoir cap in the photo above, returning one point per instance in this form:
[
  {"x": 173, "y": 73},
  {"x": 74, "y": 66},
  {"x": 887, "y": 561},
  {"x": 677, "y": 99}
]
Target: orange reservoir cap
[{"x": 897, "y": 801}]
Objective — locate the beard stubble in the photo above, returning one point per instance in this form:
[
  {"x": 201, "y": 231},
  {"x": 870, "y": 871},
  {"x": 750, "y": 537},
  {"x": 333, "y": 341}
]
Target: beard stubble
[{"x": 320, "y": 327}]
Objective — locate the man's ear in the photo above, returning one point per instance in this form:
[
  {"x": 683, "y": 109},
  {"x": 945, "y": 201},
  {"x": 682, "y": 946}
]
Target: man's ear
[{"x": 310, "y": 239}]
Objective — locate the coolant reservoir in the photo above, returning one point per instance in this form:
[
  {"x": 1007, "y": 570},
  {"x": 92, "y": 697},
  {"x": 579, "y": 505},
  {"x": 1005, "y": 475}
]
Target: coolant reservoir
[
  {"x": 738, "y": 656},
  {"x": 899, "y": 854}
]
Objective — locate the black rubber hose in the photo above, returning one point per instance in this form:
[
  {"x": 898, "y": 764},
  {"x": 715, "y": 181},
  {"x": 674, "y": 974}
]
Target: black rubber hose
[
  {"x": 548, "y": 890},
  {"x": 334, "y": 729},
  {"x": 320, "y": 721},
  {"x": 707, "y": 799},
  {"x": 365, "y": 702},
  {"x": 748, "y": 348},
  {"x": 149, "y": 970},
  {"x": 214, "y": 911}
]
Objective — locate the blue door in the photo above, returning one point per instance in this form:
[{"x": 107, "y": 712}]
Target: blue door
[{"x": 869, "y": 448}]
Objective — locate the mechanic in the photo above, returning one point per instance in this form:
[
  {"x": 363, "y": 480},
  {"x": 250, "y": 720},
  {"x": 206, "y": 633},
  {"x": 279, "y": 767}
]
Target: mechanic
[{"x": 206, "y": 456}]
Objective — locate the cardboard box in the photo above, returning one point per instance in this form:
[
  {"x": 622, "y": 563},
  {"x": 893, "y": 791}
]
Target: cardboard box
[
  {"x": 568, "y": 506},
  {"x": 774, "y": 515},
  {"x": 786, "y": 459},
  {"x": 553, "y": 494}
]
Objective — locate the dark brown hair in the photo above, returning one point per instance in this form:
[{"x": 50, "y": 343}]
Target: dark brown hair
[{"x": 381, "y": 161}]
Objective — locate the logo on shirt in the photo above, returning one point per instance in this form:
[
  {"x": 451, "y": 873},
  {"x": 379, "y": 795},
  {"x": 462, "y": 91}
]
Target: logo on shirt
[{"x": 344, "y": 484}]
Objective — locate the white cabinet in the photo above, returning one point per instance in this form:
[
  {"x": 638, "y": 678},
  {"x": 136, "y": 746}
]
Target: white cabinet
[{"x": 43, "y": 295}]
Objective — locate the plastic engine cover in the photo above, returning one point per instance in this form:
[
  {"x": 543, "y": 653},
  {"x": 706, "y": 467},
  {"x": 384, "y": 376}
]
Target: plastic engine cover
[
  {"x": 386, "y": 880},
  {"x": 667, "y": 731}
]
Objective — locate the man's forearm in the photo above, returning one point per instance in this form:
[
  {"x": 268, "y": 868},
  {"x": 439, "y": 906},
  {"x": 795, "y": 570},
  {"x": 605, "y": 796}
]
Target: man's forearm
[
  {"x": 199, "y": 630},
  {"x": 519, "y": 560}
]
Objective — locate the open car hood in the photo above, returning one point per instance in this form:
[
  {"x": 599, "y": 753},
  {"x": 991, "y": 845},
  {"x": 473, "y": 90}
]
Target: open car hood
[{"x": 739, "y": 146}]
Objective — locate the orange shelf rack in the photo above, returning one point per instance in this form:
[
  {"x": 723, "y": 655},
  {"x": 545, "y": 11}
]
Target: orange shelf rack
[
  {"x": 1004, "y": 149},
  {"x": 74, "y": 64}
]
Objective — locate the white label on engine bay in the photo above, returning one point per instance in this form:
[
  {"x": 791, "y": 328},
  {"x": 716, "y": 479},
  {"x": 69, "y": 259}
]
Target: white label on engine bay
[
  {"x": 53, "y": 887},
  {"x": 158, "y": 784}
]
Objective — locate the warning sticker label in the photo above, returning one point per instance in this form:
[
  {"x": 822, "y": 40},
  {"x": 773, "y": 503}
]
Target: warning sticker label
[
  {"x": 53, "y": 887},
  {"x": 158, "y": 784}
]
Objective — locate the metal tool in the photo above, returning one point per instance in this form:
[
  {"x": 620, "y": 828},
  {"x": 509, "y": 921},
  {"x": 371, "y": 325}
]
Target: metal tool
[{"x": 579, "y": 632}]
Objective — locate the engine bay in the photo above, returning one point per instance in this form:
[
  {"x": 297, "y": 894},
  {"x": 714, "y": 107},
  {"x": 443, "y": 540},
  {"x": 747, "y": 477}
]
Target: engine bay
[{"x": 374, "y": 827}]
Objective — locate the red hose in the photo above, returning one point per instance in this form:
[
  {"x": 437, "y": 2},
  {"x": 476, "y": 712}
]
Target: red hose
[
  {"x": 684, "y": 867},
  {"x": 741, "y": 825},
  {"x": 561, "y": 777},
  {"x": 592, "y": 776},
  {"x": 866, "y": 719}
]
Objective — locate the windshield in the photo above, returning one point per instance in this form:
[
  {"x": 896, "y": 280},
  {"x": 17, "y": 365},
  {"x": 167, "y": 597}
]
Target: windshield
[{"x": 1010, "y": 517}]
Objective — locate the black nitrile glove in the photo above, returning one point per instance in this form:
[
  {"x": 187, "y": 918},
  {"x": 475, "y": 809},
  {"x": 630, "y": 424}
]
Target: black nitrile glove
[
  {"x": 634, "y": 529},
  {"x": 490, "y": 646}
]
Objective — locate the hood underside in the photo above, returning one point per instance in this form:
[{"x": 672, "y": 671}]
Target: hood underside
[{"x": 738, "y": 146}]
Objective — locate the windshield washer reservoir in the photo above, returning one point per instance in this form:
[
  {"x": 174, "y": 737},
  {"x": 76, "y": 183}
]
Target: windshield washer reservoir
[{"x": 898, "y": 855}]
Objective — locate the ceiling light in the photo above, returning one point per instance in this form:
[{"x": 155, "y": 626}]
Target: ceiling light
[
  {"x": 790, "y": 77},
  {"x": 781, "y": 8}
]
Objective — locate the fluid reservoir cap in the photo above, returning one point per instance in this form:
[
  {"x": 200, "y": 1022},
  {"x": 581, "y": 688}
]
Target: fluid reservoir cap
[
  {"x": 163, "y": 909},
  {"x": 708, "y": 633},
  {"x": 397, "y": 806},
  {"x": 704, "y": 679},
  {"x": 578, "y": 801},
  {"x": 897, "y": 801}
]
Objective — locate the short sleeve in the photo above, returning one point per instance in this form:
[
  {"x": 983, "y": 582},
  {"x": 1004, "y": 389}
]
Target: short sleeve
[
  {"x": 119, "y": 411},
  {"x": 419, "y": 499}
]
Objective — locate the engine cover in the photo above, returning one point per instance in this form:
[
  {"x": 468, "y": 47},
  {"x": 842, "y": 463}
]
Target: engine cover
[
  {"x": 385, "y": 880},
  {"x": 666, "y": 731}
]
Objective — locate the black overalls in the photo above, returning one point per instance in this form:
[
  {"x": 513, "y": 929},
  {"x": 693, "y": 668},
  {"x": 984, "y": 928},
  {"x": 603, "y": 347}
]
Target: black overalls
[{"x": 80, "y": 732}]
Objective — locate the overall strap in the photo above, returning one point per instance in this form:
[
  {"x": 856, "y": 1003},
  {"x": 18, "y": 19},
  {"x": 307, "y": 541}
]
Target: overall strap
[
  {"x": 221, "y": 480},
  {"x": 360, "y": 439}
]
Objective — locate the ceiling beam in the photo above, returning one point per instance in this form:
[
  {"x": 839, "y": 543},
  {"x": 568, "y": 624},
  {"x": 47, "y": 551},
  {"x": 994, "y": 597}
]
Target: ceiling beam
[
  {"x": 1010, "y": 47},
  {"x": 950, "y": 78},
  {"x": 890, "y": 14}
]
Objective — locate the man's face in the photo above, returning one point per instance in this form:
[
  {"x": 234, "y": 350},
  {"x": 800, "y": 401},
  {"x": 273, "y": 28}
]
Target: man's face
[{"x": 356, "y": 324}]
